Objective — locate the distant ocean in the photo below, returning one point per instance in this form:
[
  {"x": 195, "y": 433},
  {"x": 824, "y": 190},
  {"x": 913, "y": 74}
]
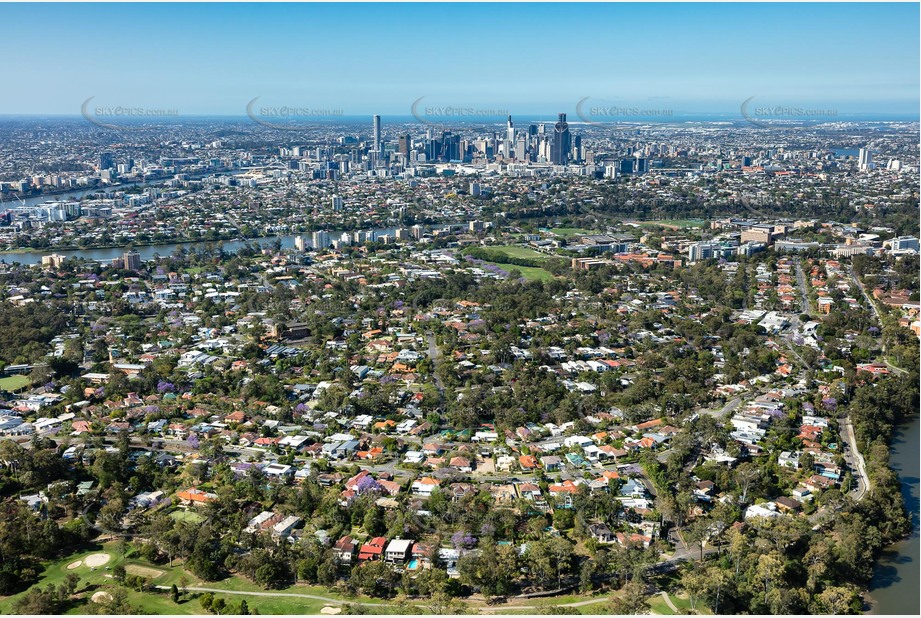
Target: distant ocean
[{"x": 519, "y": 118}]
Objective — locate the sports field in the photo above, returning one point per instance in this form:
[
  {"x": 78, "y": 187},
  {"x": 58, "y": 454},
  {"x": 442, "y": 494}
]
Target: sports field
[{"x": 14, "y": 383}]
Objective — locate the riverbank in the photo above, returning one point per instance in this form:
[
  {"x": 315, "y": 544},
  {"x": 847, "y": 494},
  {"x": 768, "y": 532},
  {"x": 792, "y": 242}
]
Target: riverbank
[
  {"x": 894, "y": 589},
  {"x": 165, "y": 243}
]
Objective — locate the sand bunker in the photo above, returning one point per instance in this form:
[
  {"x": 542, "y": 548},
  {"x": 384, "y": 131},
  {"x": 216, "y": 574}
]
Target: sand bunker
[
  {"x": 97, "y": 560},
  {"x": 135, "y": 569},
  {"x": 331, "y": 610},
  {"x": 101, "y": 597},
  {"x": 73, "y": 565}
]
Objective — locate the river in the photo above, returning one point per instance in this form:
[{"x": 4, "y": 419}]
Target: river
[
  {"x": 894, "y": 589},
  {"x": 148, "y": 252},
  {"x": 77, "y": 194}
]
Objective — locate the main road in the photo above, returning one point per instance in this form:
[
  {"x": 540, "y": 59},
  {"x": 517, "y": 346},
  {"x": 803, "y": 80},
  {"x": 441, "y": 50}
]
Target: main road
[{"x": 879, "y": 318}]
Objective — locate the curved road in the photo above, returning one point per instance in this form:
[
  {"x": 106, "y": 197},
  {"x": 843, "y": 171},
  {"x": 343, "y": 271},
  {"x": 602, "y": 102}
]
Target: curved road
[{"x": 863, "y": 481}]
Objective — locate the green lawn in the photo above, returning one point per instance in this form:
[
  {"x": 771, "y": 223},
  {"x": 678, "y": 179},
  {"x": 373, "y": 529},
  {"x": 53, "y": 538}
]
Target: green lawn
[
  {"x": 568, "y": 232},
  {"x": 94, "y": 580},
  {"x": 528, "y": 272},
  {"x": 14, "y": 383},
  {"x": 188, "y": 516},
  {"x": 658, "y": 605},
  {"x": 520, "y": 252},
  {"x": 679, "y": 223}
]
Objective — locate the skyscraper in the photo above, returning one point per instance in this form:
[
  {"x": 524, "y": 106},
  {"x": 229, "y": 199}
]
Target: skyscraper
[
  {"x": 510, "y": 132},
  {"x": 561, "y": 147},
  {"x": 865, "y": 159},
  {"x": 320, "y": 240},
  {"x": 405, "y": 145},
  {"x": 132, "y": 260},
  {"x": 106, "y": 161},
  {"x": 377, "y": 134}
]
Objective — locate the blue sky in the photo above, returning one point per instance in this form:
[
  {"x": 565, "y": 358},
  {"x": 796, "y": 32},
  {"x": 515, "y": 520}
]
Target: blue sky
[{"x": 533, "y": 59}]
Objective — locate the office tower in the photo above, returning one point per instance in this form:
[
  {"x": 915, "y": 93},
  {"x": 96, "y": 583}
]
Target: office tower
[
  {"x": 577, "y": 154},
  {"x": 417, "y": 231},
  {"x": 510, "y": 132},
  {"x": 532, "y": 130},
  {"x": 562, "y": 142},
  {"x": 337, "y": 203},
  {"x": 865, "y": 159},
  {"x": 521, "y": 148},
  {"x": 432, "y": 149},
  {"x": 642, "y": 165},
  {"x": 377, "y": 134},
  {"x": 106, "y": 161},
  {"x": 475, "y": 189},
  {"x": 132, "y": 260},
  {"x": 405, "y": 145},
  {"x": 320, "y": 240},
  {"x": 450, "y": 146}
]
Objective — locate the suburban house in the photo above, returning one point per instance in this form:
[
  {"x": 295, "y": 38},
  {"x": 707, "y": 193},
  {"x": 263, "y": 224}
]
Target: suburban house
[
  {"x": 601, "y": 533},
  {"x": 424, "y": 486},
  {"x": 398, "y": 550},
  {"x": 373, "y": 549}
]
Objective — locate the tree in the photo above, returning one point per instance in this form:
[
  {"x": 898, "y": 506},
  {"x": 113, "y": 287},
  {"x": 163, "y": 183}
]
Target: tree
[
  {"x": 839, "y": 600},
  {"x": 631, "y": 600},
  {"x": 174, "y": 593},
  {"x": 769, "y": 569},
  {"x": 746, "y": 477},
  {"x": 697, "y": 534},
  {"x": 206, "y": 600},
  {"x": 695, "y": 583}
]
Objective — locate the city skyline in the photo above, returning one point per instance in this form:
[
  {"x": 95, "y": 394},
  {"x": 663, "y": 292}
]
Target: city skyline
[{"x": 207, "y": 60}]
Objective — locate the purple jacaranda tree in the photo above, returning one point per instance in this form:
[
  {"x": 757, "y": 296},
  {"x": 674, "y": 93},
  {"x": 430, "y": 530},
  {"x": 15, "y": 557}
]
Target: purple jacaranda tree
[
  {"x": 463, "y": 540},
  {"x": 165, "y": 387},
  {"x": 366, "y": 484}
]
